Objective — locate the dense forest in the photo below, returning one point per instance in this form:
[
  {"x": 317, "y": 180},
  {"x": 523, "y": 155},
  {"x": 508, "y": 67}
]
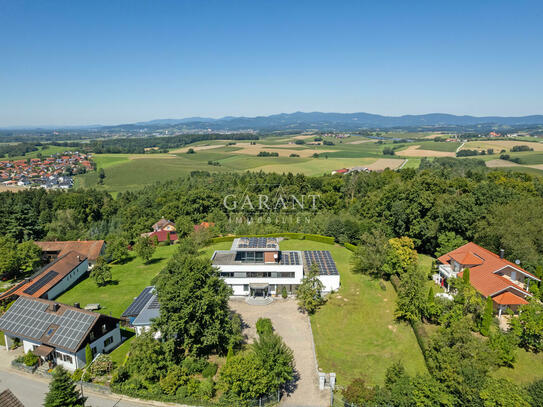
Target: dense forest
[{"x": 458, "y": 198}]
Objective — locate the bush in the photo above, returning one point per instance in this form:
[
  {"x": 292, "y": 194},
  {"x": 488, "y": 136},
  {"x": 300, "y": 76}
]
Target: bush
[
  {"x": 264, "y": 326},
  {"x": 76, "y": 375},
  {"x": 207, "y": 388},
  {"x": 101, "y": 366},
  {"x": 284, "y": 293},
  {"x": 210, "y": 370},
  {"x": 382, "y": 285},
  {"x": 193, "y": 365},
  {"x": 30, "y": 359},
  {"x": 350, "y": 247}
]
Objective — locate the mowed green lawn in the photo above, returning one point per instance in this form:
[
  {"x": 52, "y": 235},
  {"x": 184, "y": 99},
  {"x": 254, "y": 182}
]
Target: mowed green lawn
[
  {"x": 355, "y": 333},
  {"x": 129, "y": 280},
  {"x": 528, "y": 367}
]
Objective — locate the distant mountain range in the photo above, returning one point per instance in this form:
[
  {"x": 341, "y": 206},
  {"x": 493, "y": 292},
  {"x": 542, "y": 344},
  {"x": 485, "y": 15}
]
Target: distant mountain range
[
  {"x": 321, "y": 121},
  {"x": 352, "y": 121}
]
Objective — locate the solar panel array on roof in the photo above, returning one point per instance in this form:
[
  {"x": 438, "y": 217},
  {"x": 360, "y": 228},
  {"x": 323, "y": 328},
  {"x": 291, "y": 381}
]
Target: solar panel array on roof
[
  {"x": 72, "y": 329},
  {"x": 41, "y": 282},
  {"x": 290, "y": 258},
  {"x": 257, "y": 243},
  {"x": 323, "y": 258},
  {"x": 29, "y": 318},
  {"x": 137, "y": 305}
]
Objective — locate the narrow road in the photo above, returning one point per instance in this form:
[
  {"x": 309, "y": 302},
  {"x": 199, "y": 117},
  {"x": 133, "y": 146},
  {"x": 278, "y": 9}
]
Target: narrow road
[{"x": 31, "y": 391}]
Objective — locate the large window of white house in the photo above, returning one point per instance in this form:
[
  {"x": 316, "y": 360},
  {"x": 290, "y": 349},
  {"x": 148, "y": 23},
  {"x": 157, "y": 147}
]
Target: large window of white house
[{"x": 250, "y": 257}]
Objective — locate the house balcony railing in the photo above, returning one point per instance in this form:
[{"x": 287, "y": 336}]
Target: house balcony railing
[{"x": 446, "y": 271}]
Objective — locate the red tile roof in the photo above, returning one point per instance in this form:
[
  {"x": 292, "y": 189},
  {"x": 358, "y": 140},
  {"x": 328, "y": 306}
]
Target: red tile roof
[
  {"x": 508, "y": 298},
  {"x": 162, "y": 236},
  {"x": 90, "y": 248},
  {"x": 62, "y": 266},
  {"x": 483, "y": 265}
]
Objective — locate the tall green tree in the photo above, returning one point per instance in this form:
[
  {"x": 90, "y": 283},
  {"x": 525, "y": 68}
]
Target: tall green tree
[
  {"x": 447, "y": 242},
  {"x": 144, "y": 248},
  {"x": 194, "y": 310},
  {"x": 28, "y": 257},
  {"x": 309, "y": 293},
  {"x": 528, "y": 327},
  {"x": 244, "y": 378},
  {"x": 62, "y": 391},
  {"x": 276, "y": 358},
  {"x": 117, "y": 249},
  {"x": 101, "y": 272},
  {"x": 401, "y": 256},
  {"x": 411, "y": 300},
  {"x": 371, "y": 253}
]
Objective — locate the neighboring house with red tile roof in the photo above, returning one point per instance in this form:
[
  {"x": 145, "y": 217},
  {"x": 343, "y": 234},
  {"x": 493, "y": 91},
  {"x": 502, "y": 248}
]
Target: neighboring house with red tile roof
[
  {"x": 91, "y": 249},
  {"x": 491, "y": 275},
  {"x": 162, "y": 236},
  {"x": 52, "y": 280},
  {"x": 203, "y": 225}
]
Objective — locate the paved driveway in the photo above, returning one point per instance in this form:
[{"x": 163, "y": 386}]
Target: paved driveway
[{"x": 294, "y": 328}]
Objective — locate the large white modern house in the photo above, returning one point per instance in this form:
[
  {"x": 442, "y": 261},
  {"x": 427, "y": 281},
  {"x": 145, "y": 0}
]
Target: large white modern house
[{"x": 257, "y": 267}]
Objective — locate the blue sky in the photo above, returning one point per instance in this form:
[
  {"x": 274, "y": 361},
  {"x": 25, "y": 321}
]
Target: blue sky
[{"x": 89, "y": 62}]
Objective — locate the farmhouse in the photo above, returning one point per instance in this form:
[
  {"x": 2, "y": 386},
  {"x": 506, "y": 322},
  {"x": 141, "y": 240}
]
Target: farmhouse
[
  {"x": 91, "y": 249},
  {"x": 164, "y": 224},
  {"x": 490, "y": 274},
  {"x": 52, "y": 280},
  {"x": 143, "y": 310},
  {"x": 59, "y": 333},
  {"x": 256, "y": 267}
]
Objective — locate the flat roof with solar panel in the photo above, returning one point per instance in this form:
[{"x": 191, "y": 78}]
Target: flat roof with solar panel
[
  {"x": 323, "y": 259},
  {"x": 255, "y": 244},
  {"x": 50, "y": 323}
]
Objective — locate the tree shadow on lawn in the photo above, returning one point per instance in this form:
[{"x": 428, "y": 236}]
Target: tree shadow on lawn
[{"x": 154, "y": 260}]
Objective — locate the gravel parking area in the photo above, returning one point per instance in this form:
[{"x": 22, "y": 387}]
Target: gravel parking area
[{"x": 294, "y": 328}]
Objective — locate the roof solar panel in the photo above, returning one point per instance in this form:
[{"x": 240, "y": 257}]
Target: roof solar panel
[
  {"x": 28, "y": 318},
  {"x": 41, "y": 282},
  {"x": 323, "y": 259},
  {"x": 138, "y": 304}
]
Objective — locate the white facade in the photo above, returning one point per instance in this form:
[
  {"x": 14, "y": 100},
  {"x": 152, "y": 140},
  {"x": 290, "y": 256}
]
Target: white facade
[
  {"x": 241, "y": 285},
  {"x": 70, "y": 360},
  {"x": 69, "y": 280}
]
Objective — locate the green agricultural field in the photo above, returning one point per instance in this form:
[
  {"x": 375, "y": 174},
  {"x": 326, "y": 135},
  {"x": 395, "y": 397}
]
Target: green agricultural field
[
  {"x": 45, "y": 151},
  {"x": 450, "y": 147},
  {"x": 318, "y": 166},
  {"x": 129, "y": 279},
  {"x": 355, "y": 333}
]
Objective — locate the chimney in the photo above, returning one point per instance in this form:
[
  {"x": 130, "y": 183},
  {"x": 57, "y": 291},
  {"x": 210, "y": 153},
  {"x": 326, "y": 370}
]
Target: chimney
[
  {"x": 78, "y": 258},
  {"x": 55, "y": 307},
  {"x": 502, "y": 253},
  {"x": 76, "y": 305}
]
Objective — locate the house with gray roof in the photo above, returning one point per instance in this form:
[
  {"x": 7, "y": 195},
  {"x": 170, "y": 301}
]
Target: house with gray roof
[
  {"x": 143, "y": 310},
  {"x": 59, "y": 333}
]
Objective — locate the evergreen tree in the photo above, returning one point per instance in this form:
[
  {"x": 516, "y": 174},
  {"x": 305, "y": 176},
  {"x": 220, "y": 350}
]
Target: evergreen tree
[
  {"x": 62, "y": 391},
  {"x": 487, "y": 317},
  {"x": 465, "y": 276},
  {"x": 88, "y": 354}
]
